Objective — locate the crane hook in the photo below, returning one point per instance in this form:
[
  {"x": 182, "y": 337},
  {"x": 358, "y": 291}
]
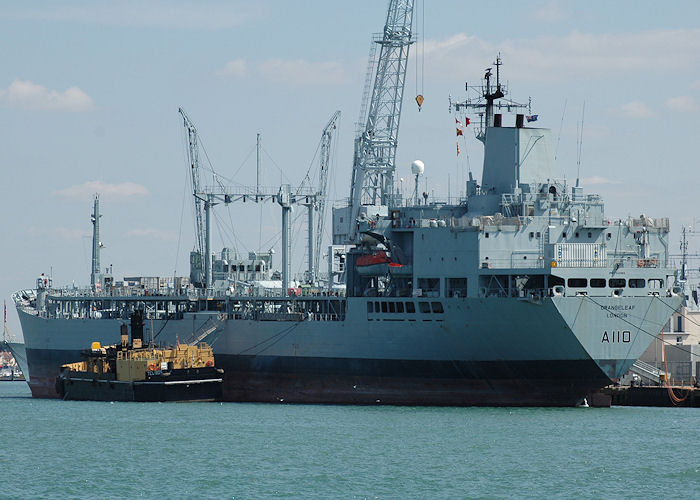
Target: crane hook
[{"x": 419, "y": 100}]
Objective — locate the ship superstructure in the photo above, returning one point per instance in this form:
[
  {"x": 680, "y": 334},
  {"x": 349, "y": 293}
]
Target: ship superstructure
[{"x": 521, "y": 293}]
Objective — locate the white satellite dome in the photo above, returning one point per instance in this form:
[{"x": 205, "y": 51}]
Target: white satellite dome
[{"x": 417, "y": 167}]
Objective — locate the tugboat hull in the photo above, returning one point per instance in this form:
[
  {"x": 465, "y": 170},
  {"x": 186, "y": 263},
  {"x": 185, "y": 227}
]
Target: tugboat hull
[{"x": 195, "y": 384}]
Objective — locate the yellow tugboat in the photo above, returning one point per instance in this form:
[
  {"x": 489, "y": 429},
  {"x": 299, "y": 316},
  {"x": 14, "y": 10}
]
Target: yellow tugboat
[{"x": 134, "y": 372}]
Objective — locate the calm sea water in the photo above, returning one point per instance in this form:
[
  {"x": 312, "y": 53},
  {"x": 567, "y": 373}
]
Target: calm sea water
[{"x": 64, "y": 449}]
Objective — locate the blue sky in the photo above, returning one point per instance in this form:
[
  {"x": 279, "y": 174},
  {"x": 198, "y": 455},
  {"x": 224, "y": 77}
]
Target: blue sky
[{"x": 89, "y": 93}]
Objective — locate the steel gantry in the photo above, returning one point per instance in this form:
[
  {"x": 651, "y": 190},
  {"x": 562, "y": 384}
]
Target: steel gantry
[{"x": 286, "y": 199}]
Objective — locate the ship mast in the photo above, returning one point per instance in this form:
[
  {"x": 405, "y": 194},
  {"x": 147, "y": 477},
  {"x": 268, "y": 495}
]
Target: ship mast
[
  {"x": 96, "y": 245},
  {"x": 684, "y": 256},
  {"x": 485, "y": 104},
  {"x": 492, "y": 96},
  {"x": 375, "y": 146}
]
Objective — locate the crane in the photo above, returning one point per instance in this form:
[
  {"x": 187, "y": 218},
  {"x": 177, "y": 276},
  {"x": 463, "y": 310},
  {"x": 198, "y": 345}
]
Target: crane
[
  {"x": 322, "y": 194},
  {"x": 375, "y": 145},
  {"x": 196, "y": 257},
  {"x": 193, "y": 155}
]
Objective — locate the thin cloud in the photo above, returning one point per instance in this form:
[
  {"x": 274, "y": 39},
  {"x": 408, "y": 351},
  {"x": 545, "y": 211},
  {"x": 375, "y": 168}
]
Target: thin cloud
[
  {"x": 449, "y": 43},
  {"x": 149, "y": 233},
  {"x": 237, "y": 68},
  {"x": 597, "y": 180},
  {"x": 133, "y": 13},
  {"x": 293, "y": 72},
  {"x": 575, "y": 55},
  {"x": 684, "y": 103},
  {"x": 636, "y": 109},
  {"x": 302, "y": 72},
  {"x": 551, "y": 12},
  {"x": 63, "y": 233},
  {"x": 89, "y": 188},
  {"x": 29, "y": 95}
]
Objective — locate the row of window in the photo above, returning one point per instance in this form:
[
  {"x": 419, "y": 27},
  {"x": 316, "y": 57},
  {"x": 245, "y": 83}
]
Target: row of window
[
  {"x": 563, "y": 235},
  {"x": 401, "y": 307},
  {"x": 614, "y": 283},
  {"x": 242, "y": 267},
  {"x": 454, "y": 287}
]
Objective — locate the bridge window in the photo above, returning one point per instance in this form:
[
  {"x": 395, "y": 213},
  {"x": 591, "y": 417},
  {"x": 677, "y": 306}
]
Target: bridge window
[
  {"x": 399, "y": 307},
  {"x": 456, "y": 287},
  {"x": 429, "y": 286},
  {"x": 577, "y": 283},
  {"x": 370, "y": 309},
  {"x": 410, "y": 307},
  {"x": 597, "y": 283},
  {"x": 437, "y": 307},
  {"x": 616, "y": 283},
  {"x": 392, "y": 307},
  {"x": 656, "y": 283},
  {"x": 384, "y": 308},
  {"x": 636, "y": 283},
  {"x": 424, "y": 307}
]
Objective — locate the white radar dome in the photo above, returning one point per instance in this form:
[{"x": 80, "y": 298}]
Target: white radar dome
[{"x": 417, "y": 167}]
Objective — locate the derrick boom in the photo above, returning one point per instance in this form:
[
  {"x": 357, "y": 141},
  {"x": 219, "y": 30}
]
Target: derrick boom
[{"x": 193, "y": 155}]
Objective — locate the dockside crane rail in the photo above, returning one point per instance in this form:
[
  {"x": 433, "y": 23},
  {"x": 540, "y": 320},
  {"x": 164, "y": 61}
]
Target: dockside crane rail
[{"x": 375, "y": 146}]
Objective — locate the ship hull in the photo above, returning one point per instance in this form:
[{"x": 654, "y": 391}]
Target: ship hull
[
  {"x": 188, "y": 385},
  {"x": 417, "y": 382},
  {"x": 395, "y": 382},
  {"x": 495, "y": 352}
]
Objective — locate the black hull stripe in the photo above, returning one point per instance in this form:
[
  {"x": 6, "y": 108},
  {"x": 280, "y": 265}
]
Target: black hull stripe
[
  {"x": 369, "y": 381},
  {"x": 429, "y": 369}
]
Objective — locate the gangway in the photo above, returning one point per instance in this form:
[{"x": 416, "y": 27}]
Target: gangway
[{"x": 648, "y": 373}]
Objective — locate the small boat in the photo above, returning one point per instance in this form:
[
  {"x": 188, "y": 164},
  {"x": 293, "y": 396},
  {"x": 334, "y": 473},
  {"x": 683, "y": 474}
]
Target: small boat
[
  {"x": 376, "y": 264},
  {"x": 134, "y": 372}
]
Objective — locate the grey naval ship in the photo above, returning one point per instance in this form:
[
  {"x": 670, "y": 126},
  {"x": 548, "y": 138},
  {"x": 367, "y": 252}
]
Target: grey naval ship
[{"x": 522, "y": 292}]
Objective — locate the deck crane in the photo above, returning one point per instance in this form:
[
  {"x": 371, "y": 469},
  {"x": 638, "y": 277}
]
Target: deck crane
[
  {"x": 196, "y": 274},
  {"x": 375, "y": 145},
  {"x": 321, "y": 197}
]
